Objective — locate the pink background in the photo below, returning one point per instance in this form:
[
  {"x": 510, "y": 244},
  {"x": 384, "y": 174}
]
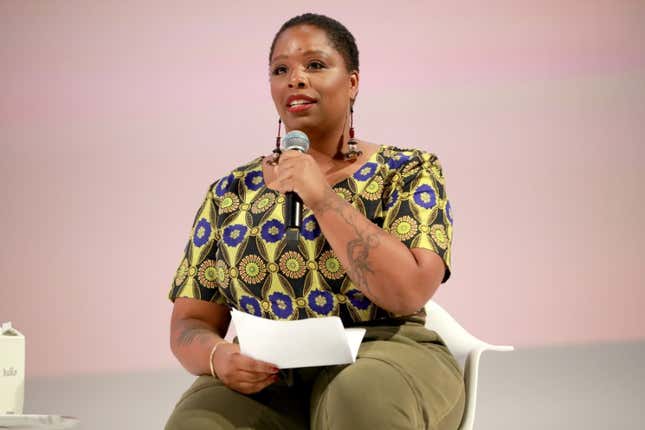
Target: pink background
[{"x": 116, "y": 116}]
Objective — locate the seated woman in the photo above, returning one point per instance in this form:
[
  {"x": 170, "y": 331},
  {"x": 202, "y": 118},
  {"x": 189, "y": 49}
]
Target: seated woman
[{"x": 373, "y": 248}]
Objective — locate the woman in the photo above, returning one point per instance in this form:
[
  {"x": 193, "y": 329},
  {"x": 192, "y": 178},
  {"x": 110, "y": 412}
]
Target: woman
[{"x": 373, "y": 248}]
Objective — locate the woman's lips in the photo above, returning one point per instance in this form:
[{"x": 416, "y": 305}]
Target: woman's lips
[{"x": 300, "y": 107}]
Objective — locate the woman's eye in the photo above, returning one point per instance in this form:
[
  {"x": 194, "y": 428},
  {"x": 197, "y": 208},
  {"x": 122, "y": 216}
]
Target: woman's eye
[
  {"x": 315, "y": 65},
  {"x": 279, "y": 70}
]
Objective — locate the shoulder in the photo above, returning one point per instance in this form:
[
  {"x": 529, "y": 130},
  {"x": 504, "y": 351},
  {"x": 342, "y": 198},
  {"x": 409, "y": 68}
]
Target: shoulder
[
  {"x": 248, "y": 175},
  {"x": 407, "y": 161}
]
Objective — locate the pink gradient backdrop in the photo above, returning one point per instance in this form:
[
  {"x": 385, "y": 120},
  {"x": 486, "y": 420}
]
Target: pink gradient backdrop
[{"x": 115, "y": 117}]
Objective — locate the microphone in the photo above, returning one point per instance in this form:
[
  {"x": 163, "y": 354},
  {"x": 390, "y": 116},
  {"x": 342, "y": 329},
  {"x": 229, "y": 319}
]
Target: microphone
[{"x": 296, "y": 140}]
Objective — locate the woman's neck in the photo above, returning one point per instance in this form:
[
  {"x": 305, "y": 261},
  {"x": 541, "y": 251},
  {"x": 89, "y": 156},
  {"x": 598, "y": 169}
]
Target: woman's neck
[{"x": 325, "y": 147}]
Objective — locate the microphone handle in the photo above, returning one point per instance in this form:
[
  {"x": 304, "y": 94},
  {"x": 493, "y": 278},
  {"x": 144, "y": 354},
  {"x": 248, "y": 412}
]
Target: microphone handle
[{"x": 294, "y": 210}]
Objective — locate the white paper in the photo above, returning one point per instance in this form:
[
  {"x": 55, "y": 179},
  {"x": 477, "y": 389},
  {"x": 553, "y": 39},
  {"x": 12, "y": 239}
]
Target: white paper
[{"x": 301, "y": 343}]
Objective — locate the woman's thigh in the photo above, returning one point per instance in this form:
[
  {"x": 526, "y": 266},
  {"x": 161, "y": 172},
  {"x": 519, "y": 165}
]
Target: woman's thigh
[
  {"x": 209, "y": 404},
  {"x": 395, "y": 383}
]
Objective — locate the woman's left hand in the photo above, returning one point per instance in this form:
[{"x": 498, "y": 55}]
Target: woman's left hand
[{"x": 298, "y": 172}]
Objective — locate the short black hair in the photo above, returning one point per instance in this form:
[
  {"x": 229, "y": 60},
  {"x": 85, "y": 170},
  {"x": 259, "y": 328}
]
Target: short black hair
[{"x": 341, "y": 39}]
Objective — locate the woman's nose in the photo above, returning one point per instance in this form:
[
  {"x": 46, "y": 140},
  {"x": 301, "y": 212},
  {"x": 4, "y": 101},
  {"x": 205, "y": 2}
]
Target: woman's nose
[{"x": 296, "y": 80}]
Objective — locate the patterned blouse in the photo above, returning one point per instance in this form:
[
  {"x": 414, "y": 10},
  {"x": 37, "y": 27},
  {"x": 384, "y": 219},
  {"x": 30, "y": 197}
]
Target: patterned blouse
[{"x": 238, "y": 254}]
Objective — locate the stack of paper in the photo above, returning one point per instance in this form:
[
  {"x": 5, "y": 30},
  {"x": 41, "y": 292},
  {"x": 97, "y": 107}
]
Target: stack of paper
[{"x": 301, "y": 343}]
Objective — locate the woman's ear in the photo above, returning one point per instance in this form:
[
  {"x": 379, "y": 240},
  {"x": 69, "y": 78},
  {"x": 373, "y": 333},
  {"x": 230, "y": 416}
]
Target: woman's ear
[{"x": 353, "y": 85}]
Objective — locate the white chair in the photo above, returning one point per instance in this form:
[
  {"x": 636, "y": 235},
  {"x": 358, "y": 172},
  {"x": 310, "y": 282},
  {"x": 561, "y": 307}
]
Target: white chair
[{"x": 466, "y": 348}]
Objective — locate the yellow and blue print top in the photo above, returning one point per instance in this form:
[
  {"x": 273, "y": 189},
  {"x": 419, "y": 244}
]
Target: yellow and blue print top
[{"x": 238, "y": 255}]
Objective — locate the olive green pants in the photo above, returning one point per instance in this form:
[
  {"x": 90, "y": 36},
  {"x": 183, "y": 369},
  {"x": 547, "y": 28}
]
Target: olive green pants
[{"x": 404, "y": 378}]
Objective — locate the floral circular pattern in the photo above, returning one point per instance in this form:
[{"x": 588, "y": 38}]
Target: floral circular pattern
[
  {"x": 321, "y": 302},
  {"x": 202, "y": 232},
  {"x": 357, "y": 299},
  {"x": 449, "y": 212},
  {"x": 366, "y": 171},
  {"x": 222, "y": 273},
  {"x": 344, "y": 193},
  {"x": 374, "y": 189},
  {"x": 273, "y": 230},
  {"x": 281, "y": 304},
  {"x": 234, "y": 234},
  {"x": 223, "y": 185},
  {"x": 207, "y": 274},
  {"x": 252, "y": 269},
  {"x": 397, "y": 179},
  {"x": 439, "y": 235},
  {"x": 425, "y": 196},
  {"x": 292, "y": 265},
  {"x": 229, "y": 203},
  {"x": 405, "y": 227},
  {"x": 254, "y": 180},
  {"x": 310, "y": 229},
  {"x": 330, "y": 265},
  {"x": 398, "y": 160},
  {"x": 263, "y": 203},
  {"x": 250, "y": 305}
]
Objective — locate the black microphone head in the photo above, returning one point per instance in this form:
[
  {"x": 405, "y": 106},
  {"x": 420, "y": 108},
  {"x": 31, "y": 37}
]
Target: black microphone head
[{"x": 295, "y": 139}]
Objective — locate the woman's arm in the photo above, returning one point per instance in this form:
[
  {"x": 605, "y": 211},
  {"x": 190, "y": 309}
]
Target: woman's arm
[
  {"x": 394, "y": 277},
  {"x": 195, "y": 327}
]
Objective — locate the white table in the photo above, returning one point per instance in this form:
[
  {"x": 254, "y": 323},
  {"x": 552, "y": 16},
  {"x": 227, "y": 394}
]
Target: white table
[{"x": 41, "y": 422}]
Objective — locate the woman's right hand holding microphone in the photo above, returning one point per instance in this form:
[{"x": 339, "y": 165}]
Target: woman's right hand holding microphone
[{"x": 240, "y": 372}]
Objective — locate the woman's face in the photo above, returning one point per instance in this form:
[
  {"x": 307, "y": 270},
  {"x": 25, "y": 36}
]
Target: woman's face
[{"x": 310, "y": 84}]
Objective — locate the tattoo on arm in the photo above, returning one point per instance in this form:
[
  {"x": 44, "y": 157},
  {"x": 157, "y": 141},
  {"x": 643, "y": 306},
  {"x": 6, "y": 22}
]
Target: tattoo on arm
[
  {"x": 189, "y": 333},
  {"x": 358, "y": 249}
]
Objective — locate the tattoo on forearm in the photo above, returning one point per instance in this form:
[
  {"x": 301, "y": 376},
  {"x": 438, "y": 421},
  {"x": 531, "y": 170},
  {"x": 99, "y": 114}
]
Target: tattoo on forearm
[
  {"x": 358, "y": 249},
  {"x": 188, "y": 334}
]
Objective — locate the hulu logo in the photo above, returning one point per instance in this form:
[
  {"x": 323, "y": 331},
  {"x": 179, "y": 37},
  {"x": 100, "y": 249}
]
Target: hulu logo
[{"x": 9, "y": 372}]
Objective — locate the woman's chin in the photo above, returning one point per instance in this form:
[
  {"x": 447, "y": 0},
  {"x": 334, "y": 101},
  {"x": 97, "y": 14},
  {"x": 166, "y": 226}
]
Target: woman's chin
[{"x": 303, "y": 124}]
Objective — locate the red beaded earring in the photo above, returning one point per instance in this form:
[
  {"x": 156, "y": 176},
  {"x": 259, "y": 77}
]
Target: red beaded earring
[
  {"x": 277, "y": 151},
  {"x": 353, "y": 152}
]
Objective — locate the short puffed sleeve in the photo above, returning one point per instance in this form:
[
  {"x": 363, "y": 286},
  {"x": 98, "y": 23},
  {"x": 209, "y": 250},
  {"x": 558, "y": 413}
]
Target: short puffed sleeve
[
  {"x": 198, "y": 272},
  {"x": 416, "y": 208}
]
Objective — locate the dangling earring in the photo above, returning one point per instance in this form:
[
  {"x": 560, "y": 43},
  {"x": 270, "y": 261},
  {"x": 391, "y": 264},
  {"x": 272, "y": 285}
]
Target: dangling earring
[
  {"x": 353, "y": 152},
  {"x": 276, "y": 151}
]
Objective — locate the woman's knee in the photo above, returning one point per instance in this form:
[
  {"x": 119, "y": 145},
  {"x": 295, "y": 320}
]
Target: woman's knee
[
  {"x": 197, "y": 419},
  {"x": 198, "y": 409},
  {"x": 209, "y": 404},
  {"x": 367, "y": 394}
]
